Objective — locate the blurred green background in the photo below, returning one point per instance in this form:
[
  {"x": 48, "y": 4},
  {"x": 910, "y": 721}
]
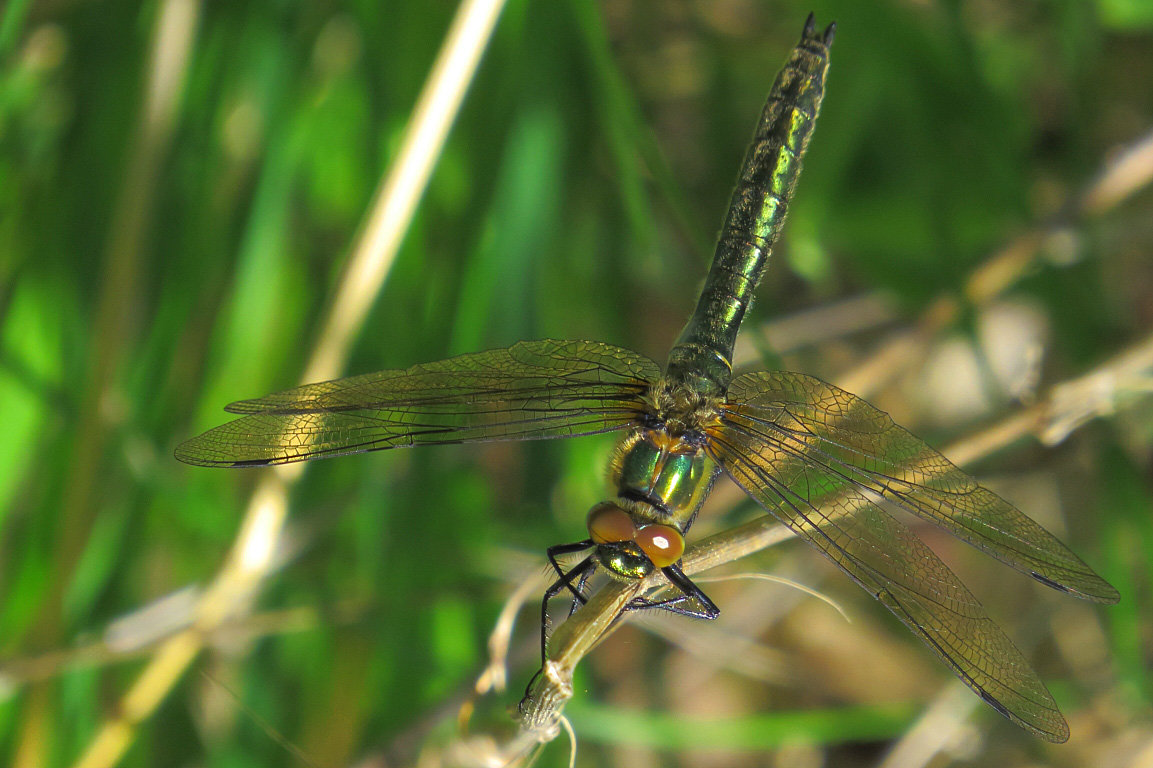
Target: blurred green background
[{"x": 577, "y": 197}]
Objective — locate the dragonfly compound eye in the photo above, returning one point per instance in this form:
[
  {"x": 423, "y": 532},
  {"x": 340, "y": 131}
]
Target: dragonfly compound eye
[
  {"x": 662, "y": 544},
  {"x": 609, "y": 524}
]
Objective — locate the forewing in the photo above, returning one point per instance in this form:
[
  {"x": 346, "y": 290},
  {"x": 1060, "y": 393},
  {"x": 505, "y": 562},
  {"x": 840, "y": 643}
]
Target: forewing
[
  {"x": 531, "y": 390},
  {"x": 892, "y": 564},
  {"x": 844, "y": 436}
]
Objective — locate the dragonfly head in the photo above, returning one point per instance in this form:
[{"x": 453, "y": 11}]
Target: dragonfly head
[{"x": 629, "y": 551}]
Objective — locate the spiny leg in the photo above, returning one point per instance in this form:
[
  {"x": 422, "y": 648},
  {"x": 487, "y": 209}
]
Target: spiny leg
[
  {"x": 690, "y": 593},
  {"x": 582, "y": 572},
  {"x": 567, "y": 549},
  {"x": 581, "y": 583},
  {"x": 564, "y": 581}
]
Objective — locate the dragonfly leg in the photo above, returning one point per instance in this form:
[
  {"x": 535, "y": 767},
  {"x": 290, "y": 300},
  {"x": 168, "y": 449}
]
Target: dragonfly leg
[
  {"x": 691, "y": 602},
  {"x": 567, "y": 549},
  {"x": 582, "y": 572},
  {"x": 580, "y": 588}
]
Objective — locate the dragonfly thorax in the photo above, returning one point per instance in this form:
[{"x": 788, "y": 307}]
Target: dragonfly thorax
[
  {"x": 683, "y": 408},
  {"x": 661, "y": 477}
]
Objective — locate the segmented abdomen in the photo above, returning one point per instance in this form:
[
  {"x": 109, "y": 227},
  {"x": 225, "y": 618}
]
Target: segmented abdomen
[{"x": 756, "y": 214}]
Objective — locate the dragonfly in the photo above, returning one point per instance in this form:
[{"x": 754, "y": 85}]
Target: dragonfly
[{"x": 820, "y": 460}]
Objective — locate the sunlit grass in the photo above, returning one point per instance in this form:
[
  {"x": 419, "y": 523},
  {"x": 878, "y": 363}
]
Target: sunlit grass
[{"x": 576, "y": 198}]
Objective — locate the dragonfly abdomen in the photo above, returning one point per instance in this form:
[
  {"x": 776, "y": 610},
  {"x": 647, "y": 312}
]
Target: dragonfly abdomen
[{"x": 704, "y": 351}]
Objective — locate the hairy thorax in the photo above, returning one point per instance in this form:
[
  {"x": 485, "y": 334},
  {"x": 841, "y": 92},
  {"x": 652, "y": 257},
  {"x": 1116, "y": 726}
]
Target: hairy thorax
[{"x": 684, "y": 411}]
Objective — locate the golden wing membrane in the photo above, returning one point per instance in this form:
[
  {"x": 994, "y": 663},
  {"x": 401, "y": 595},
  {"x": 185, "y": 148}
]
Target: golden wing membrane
[
  {"x": 822, "y": 460},
  {"x": 847, "y": 437},
  {"x": 882, "y": 555},
  {"x": 531, "y": 390}
]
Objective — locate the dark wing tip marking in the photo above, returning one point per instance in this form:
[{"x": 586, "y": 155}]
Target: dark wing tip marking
[
  {"x": 992, "y": 702},
  {"x": 1050, "y": 583},
  {"x": 1059, "y": 735},
  {"x": 1105, "y": 592},
  {"x": 830, "y": 33},
  {"x": 253, "y": 463}
]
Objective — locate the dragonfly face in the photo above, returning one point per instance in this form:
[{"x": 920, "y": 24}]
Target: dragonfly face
[{"x": 813, "y": 456}]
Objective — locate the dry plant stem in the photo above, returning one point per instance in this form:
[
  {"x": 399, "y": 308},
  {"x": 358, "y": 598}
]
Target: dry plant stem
[
  {"x": 107, "y": 652},
  {"x": 495, "y": 675},
  {"x": 114, "y": 324},
  {"x": 397, "y": 198},
  {"x": 113, "y": 333},
  {"x": 251, "y": 555},
  {"x": 1123, "y": 175},
  {"x": 540, "y": 711},
  {"x": 572, "y": 641},
  {"x": 1068, "y": 405},
  {"x": 940, "y": 726},
  {"x": 1128, "y": 172},
  {"x": 817, "y": 325}
]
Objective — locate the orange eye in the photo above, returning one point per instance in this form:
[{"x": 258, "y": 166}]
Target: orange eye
[
  {"x": 662, "y": 544},
  {"x": 609, "y": 523}
]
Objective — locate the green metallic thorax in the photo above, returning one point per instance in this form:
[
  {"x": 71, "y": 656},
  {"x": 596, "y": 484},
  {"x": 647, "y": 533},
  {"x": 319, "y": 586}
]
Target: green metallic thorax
[
  {"x": 659, "y": 478},
  {"x": 662, "y": 479},
  {"x": 703, "y": 356}
]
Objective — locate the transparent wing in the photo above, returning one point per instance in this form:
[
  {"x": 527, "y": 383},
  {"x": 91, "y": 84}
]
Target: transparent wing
[
  {"x": 820, "y": 460},
  {"x": 848, "y": 439},
  {"x": 892, "y": 564},
  {"x": 531, "y": 390}
]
